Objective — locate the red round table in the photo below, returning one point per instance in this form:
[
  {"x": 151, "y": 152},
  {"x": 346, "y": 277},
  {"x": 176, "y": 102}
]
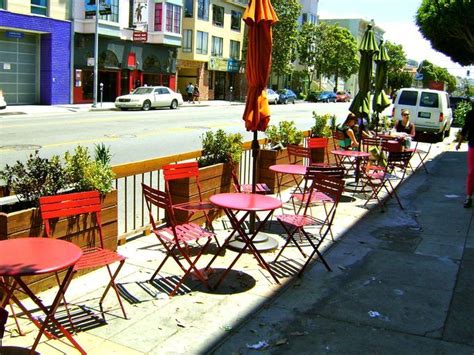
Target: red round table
[
  {"x": 36, "y": 256},
  {"x": 235, "y": 202},
  {"x": 290, "y": 169}
]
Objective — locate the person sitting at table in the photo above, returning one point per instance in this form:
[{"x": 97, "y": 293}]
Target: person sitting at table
[
  {"x": 405, "y": 126},
  {"x": 366, "y": 133},
  {"x": 348, "y": 128}
]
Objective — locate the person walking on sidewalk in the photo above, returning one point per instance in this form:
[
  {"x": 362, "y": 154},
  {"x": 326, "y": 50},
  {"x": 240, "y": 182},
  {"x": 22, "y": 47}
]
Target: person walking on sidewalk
[
  {"x": 190, "y": 91},
  {"x": 196, "y": 94},
  {"x": 468, "y": 132}
]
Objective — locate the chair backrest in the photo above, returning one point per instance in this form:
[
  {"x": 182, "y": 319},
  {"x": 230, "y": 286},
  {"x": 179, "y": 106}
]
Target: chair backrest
[
  {"x": 181, "y": 171},
  {"x": 321, "y": 143},
  {"x": 235, "y": 178},
  {"x": 330, "y": 186},
  {"x": 368, "y": 142},
  {"x": 313, "y": 171},
  {"x": 158, "y": 199},
  {"x": 71, "y": 205},
  {"x": 392, "y": 146},
  {"x": 400, "y": 159},
  {"x": 337, "y": 137},
  {"x": 297, "y": 151}
]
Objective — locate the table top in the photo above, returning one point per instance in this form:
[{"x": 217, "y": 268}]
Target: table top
[
  {"x": 245, "y": 202},
  {"x": 351, "y": 153},
  {"x": 34, "y": 256},
  {"x": 294, "y": 169}
]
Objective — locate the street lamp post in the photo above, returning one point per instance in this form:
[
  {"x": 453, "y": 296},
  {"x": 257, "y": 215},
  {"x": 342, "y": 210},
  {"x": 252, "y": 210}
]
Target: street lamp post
[{"x": 96, "y": 53}]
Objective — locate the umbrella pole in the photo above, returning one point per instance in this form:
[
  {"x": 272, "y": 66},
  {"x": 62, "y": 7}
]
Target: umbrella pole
[
  {"x": 377, "y": 125},
  {"x": 255, "y": 149}
]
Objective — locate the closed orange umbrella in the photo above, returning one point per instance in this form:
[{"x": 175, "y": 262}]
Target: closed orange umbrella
[{"x": 259, "y": 17}]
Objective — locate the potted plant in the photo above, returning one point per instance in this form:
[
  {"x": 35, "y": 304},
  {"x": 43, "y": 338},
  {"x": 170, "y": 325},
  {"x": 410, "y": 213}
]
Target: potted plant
[
  {"x": 218, "y": 149},
  {"x": 321, "y": 129},
  {"x": 279, "y": 137},
  {"x": 19, "y": 214}
]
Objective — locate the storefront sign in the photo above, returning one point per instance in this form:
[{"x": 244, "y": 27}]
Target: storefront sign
[
  {"x": 140, "y": 36},
  {"x": 140, "y": 17},
  {"x": 233, "y": 65},
  {"x": 104, "y": 7},
  {"x": 14, "y": 34},
  {"x": 219, "y": 64}
]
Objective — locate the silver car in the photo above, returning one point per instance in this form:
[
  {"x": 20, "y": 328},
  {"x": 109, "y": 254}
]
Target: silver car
[
  {"x": 147, "y": 97},
  {"x": 272, "y": 96},
  {"x": 3, "y": 103}
]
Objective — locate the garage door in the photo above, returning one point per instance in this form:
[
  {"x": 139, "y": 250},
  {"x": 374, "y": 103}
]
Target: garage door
[{"x": 19, "y": 67}]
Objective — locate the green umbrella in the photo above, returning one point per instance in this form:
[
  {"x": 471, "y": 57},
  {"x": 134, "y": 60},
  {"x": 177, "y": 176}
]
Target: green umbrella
[
  {"x": 360, "y": 106},
  {"x": 380, "y": 101}
]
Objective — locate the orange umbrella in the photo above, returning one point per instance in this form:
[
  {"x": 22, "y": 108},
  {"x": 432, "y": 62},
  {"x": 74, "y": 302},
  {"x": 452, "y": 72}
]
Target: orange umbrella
[{"x": 259, "y": 17}]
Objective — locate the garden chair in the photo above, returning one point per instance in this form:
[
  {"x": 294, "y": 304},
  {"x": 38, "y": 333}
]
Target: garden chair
[
  {"x": 298, "y": 154},
  {"x": 422, "y": 155},
  {"x": 319, "y": 143},
  {"x": 260, "y": 188},
  {"x": 380, "y": 178},
  {"x": 85, "y": 207},
  {"x": 331, "y": 187},
  {"x": 188, "y": 170},
  {"x": 176, "y": 238}
]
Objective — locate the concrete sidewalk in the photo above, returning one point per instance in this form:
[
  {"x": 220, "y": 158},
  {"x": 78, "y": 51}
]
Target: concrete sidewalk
[
  {"x": 402, "y": 282},
  {"x": 106, "y": 106}
]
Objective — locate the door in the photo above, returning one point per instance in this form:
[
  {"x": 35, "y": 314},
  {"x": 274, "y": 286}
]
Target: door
[{"x": 219, "y": 85}]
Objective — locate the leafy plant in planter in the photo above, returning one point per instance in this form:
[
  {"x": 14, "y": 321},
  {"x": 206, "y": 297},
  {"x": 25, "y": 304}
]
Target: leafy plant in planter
[
  {"x": 44, "y": 177},
  {"x": 220, "y": 147},
  {"x": 284, "y": 134},
  {"x": 321, "y": 128}
]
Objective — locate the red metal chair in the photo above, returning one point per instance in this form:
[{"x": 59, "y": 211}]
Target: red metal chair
[
  {"x": 176, "y": 238},
  {"x": 382, "y": 178},
  {"x": 3, "y": 321},
  {"x": 298, "y": 154},
  {"x": 84, "y": 204},
  {"x": 319, "y": 143},
  {"x": 183, "y": 171},
  {"x": 331, "y": 187},
  {"x": 422, "y": 155},
  {"x": 260, "y": 188}
]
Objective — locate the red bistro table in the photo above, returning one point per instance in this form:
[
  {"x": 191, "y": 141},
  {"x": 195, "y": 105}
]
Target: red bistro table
[
  {"x": 236, "y": 202},
  {"x": 290, "y": 169},
  {"x": 37, "y": 256}
]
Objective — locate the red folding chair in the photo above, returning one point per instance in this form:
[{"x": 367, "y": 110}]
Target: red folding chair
[
  {"x": 177, "y": 238},
  {"x": 260, "y": 188},
  {"x": 298, "y": 154},
  {"x": 422, "y": 155},
  {"x": 82, "y": 205},
  {"x": 319, "y": 143},
  {"x": 182, "y": 171},
  {"x": 331, "y": 187},
  {"x": 383, "y": 177}
]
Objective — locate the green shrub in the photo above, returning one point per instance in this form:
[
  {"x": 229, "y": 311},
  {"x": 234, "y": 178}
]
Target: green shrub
[
  {"x": 460, "y": 113},
  {"x": 286, "y": 133},
  {"x": 321, "y": 128},
  {"x": 313, "y": 96},
  {"x": 220, "y": 147}
]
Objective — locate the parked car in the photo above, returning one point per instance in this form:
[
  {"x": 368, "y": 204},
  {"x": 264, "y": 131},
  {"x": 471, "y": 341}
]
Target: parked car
[
  {"x": 286, "y": 95},
  {"x": 147, "y": 97},
  {"x": 343, "y": 96},
  {"x": 3, "y": 103},
  {"x": 272, "y": 96},
  {"x": 430, "y": 110},
  {"x": 327, "y": 96}
]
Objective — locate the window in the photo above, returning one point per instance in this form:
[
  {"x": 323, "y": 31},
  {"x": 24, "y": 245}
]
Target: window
[
  {"x": 39, "y": 7},
  {"x": 187, "y": 40},
  {"x": 218, "y": 15},
  {"x": 235, "y": 20},
  {"x": 203, "y": 10},
  {"x": 305, "y": 18},
  {"x": 408, "y": 97},
  {"x": 114, "y": 9},
  {"x": 429, "y": 99},
  {"x": 3, "y": 4},
  {"x": 234, "y": 50},
  {"x": 201, "y": 42},
  {"x": 188, "y": 8},
  {"x": 217, "y": 46},
  {"x": 173, "y": 18},
  {"x": 159, "y": 17}
]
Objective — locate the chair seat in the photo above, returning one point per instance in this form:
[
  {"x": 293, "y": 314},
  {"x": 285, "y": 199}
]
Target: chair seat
[
  {"x": 315, "y": 197},
  {"x": 298, "y": 220},
  {"x": 259, "y": 188},
  {"x": 186, "y": 233},
  {"x": 194, "y": 206},
  {"x": 95, "y": 257}
]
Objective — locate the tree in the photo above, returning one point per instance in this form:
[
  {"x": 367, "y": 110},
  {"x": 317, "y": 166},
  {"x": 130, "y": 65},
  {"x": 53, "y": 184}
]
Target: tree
[
  {"x": 342, "y": 58},
  {"x": 285, "y": 36},
  {"x": 448, "y": 25},
  {"x": 311, "y": 49},
  {"x": 432, "y": 72},
  {"x": 397, "y": 78}
]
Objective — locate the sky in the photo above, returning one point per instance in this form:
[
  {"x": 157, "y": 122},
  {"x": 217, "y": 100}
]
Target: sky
[{"x": 397, "y": 19}]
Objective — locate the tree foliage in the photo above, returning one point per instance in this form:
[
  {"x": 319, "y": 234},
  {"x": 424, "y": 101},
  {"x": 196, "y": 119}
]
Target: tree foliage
[
  {"x": 448, "y": 25},
  {"x": 396, "y": 77},
  {"x": 285, "y": 35},
  {"x": 342, "y": 58},
  {"x": 311, "y": 49},
  {"x": 432, "y": 72}
]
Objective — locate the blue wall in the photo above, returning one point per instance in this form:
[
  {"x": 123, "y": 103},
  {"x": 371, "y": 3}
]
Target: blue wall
[{"x": 55, "y": 67}]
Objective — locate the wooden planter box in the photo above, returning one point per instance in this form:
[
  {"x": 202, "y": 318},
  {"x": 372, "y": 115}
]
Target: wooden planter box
[
  {"x": 213, "y": 179},
  {"x": 265, "y": 175},
  {"x": 80, "y": 231}
]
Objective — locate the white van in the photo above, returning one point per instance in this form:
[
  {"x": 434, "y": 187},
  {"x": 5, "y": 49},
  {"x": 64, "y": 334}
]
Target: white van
[{"x": 430, "y": 110}]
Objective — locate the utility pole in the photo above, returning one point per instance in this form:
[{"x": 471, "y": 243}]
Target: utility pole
[{"x": 96, "y": 52}]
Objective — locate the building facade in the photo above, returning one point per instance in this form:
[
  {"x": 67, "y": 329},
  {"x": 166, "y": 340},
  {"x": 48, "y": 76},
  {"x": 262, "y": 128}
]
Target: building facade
[
  {"x": 138, "y": 44},
  {"x": 210, "y": 55},
  {"x": 35, "y": 52}
]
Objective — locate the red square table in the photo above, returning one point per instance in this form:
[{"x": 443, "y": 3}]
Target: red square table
[
  {"x": 232, "y": 203},
  {"x": 37, "y": 256}
]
